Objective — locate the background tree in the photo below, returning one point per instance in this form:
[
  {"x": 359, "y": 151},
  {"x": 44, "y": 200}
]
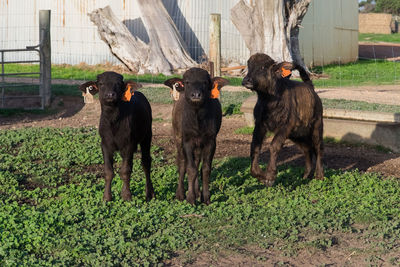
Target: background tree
[
  {"x": 388, "y": 6},
  {"x": 166, "y": 50},
  {"x": 271, "y": 27},
  {"x": 367, "y": 6}
]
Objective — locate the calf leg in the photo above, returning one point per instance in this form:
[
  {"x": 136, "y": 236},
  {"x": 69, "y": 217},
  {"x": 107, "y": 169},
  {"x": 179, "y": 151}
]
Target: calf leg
[
  {"x": 259, "y": 132},
  {"x": 126, "y": 171},
  {"x": 274, "y": 149},
  {"x": 180, "y": 191},
  {"x": 146, "y": 164},
  {"x": 308, "y": 153},
  {"x": 108, "y": 156},
  {"x": 208, "y": 155},
  {"x": 318, "y": 147},
  {"x": 196, "y": 181},
  {"x": 191, "y": 171}
]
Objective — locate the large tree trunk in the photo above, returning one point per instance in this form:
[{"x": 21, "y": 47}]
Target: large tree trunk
[
  {"x": 166, "y": 50},
  {"x": 127, "y": 48},
  {"x": 271, "y": 27},
  {"x": 165, "y": 40}
]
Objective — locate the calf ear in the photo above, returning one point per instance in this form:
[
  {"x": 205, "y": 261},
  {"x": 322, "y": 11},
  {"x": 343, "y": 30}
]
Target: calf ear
[
  {"x": 175, "y": 83},
  {"x": 130, "y": 88},
  {"x": 283, "y": 69},
  {"x": 217, "y": 84},
  {"x": 90, "y": 87}
]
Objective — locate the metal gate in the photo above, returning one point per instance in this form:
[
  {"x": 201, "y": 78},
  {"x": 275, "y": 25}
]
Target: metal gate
[
  {"x": 14, "y": 87},
  {"x": 10, "y": 84}
]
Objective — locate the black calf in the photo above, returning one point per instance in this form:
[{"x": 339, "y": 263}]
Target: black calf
[
  {"x": 290, "y": 109},
  {"x": 196, "y": 120},
  {"x": 125, "y": 122}
]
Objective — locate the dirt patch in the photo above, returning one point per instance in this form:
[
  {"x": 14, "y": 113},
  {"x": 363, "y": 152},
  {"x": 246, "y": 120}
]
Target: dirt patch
[
  {"x": 382, "y": 94},
  {"x": 347, "y": 250}
]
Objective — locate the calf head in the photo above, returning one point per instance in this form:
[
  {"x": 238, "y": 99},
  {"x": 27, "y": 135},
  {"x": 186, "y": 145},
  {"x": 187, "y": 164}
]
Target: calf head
[
  {"x": 111, "y": 88},
  {"x": 197, "y": 86},
  {"x": 264, "y": 72}
]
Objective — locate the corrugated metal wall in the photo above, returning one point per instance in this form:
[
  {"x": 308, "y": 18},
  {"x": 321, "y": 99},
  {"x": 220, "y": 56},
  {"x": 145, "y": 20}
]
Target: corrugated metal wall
[
  {"x": 328, "y": 36},
  {"x": 330, "y": 32}
]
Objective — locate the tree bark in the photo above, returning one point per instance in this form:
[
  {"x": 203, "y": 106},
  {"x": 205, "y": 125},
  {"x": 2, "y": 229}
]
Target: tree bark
[
  {"x": 165, "y": 41},
  {"x": 271, "y": 27},
  {"x": 127, "y": 48},
  {"x": 166, "y": 50}
]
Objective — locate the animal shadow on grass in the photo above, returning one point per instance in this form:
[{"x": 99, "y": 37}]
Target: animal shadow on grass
[{"x": 235, "y": 172}]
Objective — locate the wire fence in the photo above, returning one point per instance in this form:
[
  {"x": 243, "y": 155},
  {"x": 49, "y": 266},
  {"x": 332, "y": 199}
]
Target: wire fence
[{"x": 77, "y": 50}]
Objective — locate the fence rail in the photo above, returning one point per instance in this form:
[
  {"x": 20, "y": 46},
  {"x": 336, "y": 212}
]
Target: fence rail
[
  {"x": 43, "y": 54},
  {"x": 4, "y": 74}
]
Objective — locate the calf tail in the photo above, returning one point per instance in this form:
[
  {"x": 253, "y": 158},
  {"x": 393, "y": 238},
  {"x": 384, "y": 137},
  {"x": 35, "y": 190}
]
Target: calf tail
[{"x": 303, "y": 75}]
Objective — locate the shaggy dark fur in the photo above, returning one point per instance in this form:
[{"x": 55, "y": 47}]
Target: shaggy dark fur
[
  {"x": 289, "y": 109},
  {"x": 196, "y": 120},
  {"x": 123, "y": 125}
]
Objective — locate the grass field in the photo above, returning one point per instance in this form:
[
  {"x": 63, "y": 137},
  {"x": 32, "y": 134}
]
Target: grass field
[
  {"x": 359, "y": 105},
  {"x": 51, "y": 209},
  {"x": 362, "y": 72},
  {"x": 372, "y": 37}
]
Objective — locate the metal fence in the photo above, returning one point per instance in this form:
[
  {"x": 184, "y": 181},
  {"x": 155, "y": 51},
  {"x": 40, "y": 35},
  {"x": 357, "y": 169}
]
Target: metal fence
[
  {"x": 18, "y": 91},
  {"x": 10, "y": 86},
  {"x": 326, "y": 31}
]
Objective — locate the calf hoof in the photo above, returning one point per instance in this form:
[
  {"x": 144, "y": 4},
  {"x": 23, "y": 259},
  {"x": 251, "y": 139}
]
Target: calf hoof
[
  {"x": 127, "y": 196},
  {"x": 107, "y": 197},
  {"x": 307, "y": 175},
  {"x": 269, "y": 180},
  {"x": 191, "y": 199},
  {"x": 268, "y": 183},
  {"x": 206, "y": 199},
  {"x": 150, "y": 196},
  {"x": 180, "y": 196},
  {"x": 259, "y": 175}
]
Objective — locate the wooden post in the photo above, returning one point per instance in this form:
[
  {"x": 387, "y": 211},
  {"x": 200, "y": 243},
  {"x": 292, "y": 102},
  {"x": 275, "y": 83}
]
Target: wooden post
[
  {"x": 45, "y": 57},
  {"x": 211, "y": 69},
  {"x": 215, "y": 42}
]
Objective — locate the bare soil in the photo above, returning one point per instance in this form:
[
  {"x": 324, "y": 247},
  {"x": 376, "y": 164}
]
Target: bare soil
[{"x": 70, "y": 111}]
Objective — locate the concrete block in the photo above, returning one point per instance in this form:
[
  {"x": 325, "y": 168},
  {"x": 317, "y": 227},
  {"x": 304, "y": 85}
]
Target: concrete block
[{"x": 375, "y": 128}]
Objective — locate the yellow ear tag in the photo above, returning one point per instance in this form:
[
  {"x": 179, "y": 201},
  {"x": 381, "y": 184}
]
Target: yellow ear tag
[
  {"x": 215, "y": 91},
  {"x": 285, "y": 72},
  {"x": 127, "y": 95}
]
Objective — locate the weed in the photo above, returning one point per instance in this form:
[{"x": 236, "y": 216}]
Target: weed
[
  {"x": 52, "y": 213},
  {"x": 374, "y": 38},
  {"x": 245, "y": 130},
  {"x": 359, "y": 105}
]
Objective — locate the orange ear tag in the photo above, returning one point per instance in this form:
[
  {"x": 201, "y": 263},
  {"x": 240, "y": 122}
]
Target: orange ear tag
[
  {"x": 285, "y": 72},
  {"x": 127, "y": 95},
  {"x": 215, "y": 91}
]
